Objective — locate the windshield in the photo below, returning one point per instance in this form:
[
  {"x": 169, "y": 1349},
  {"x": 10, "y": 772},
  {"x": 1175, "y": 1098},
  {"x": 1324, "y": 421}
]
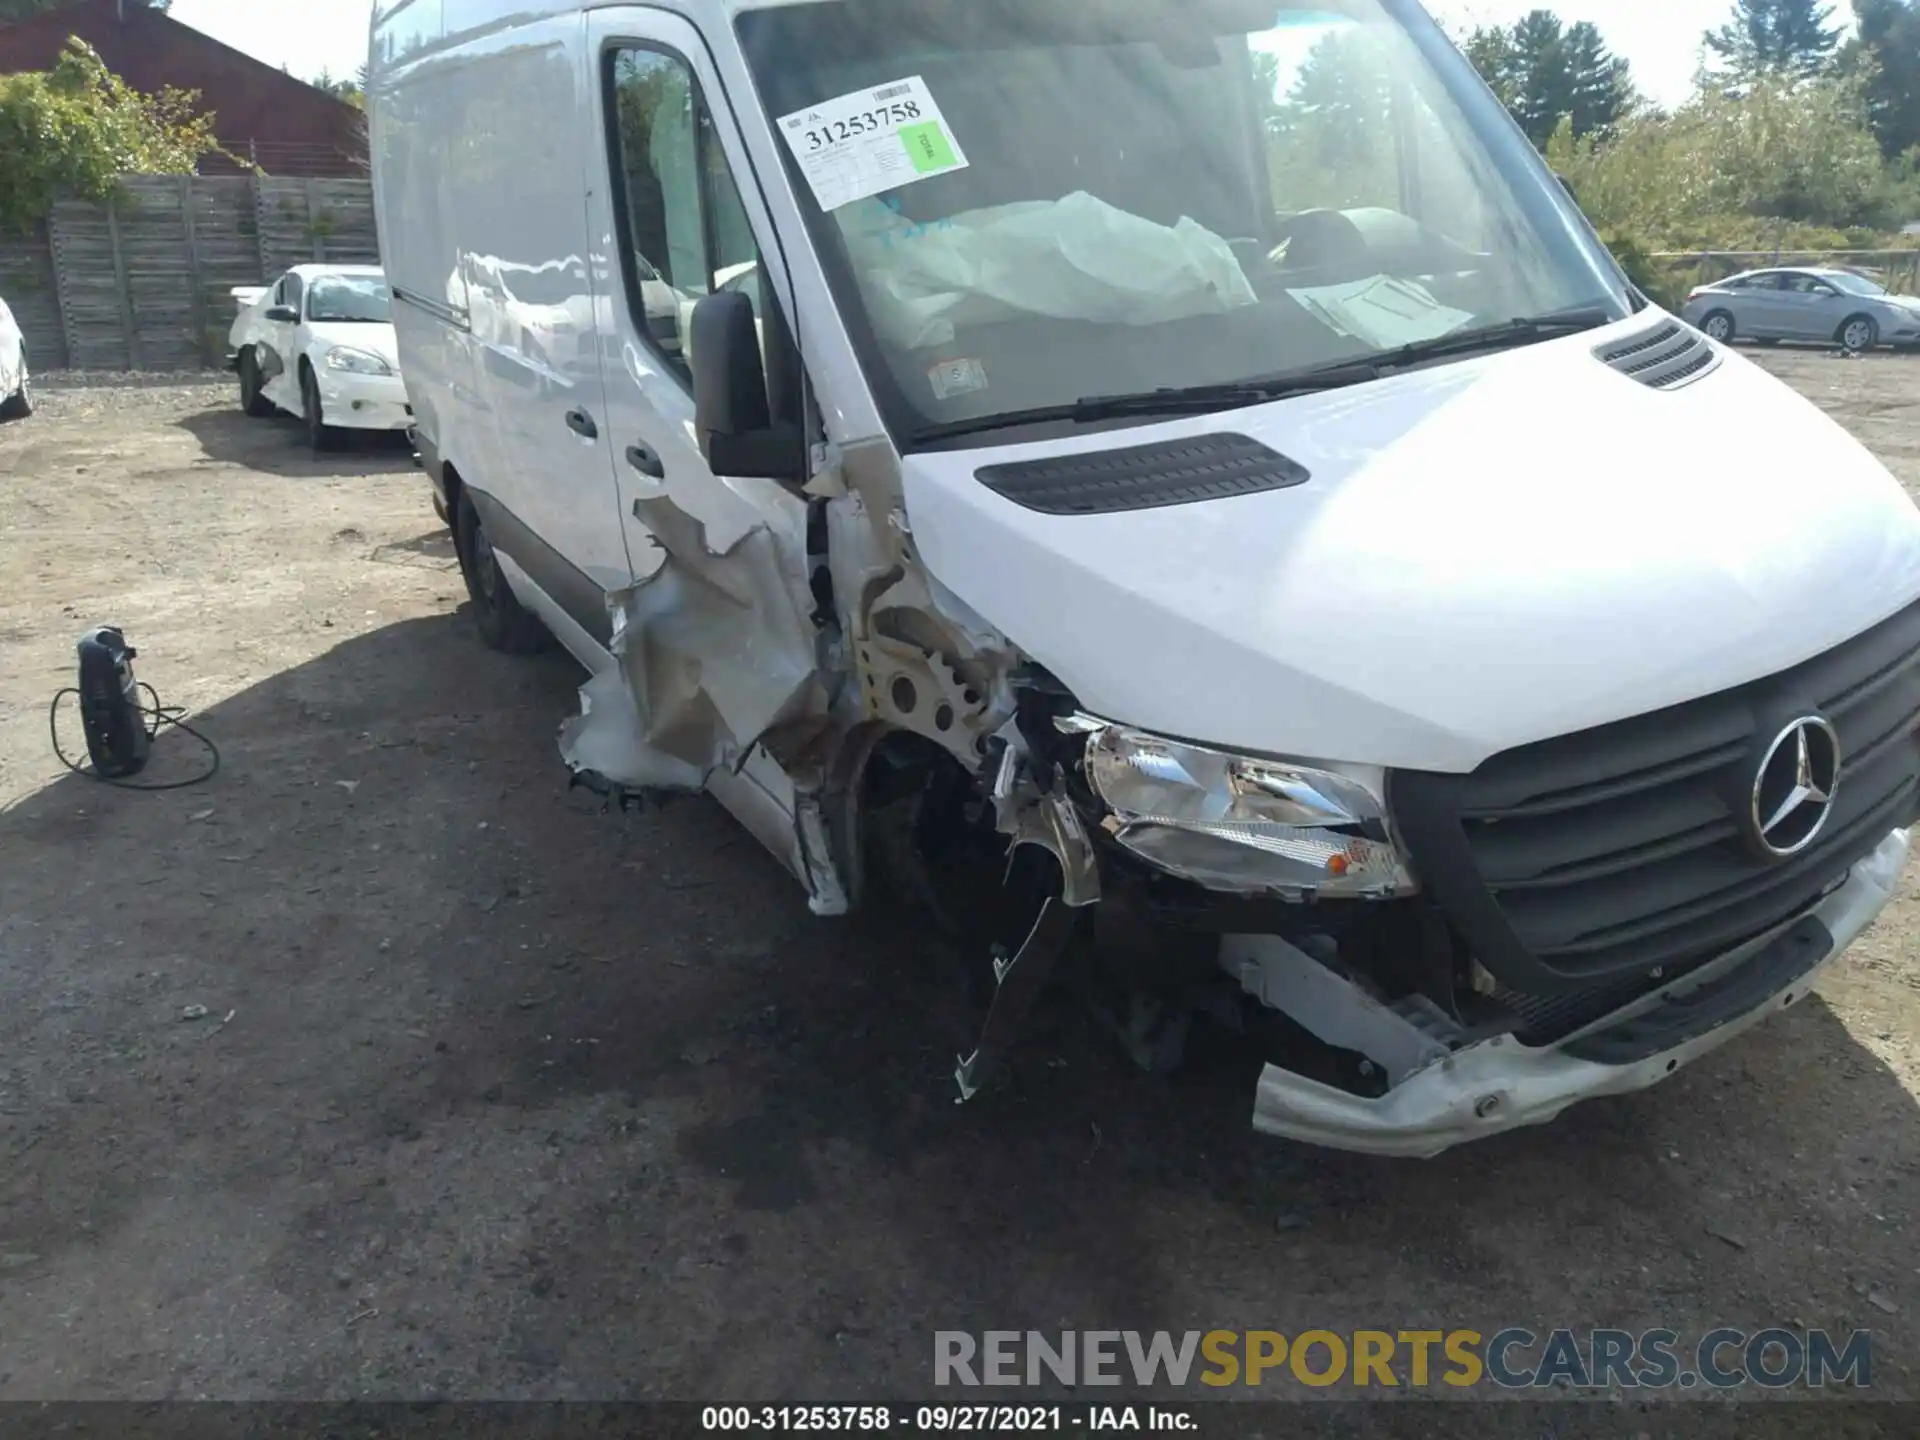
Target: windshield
[
  {"x": 1855, "y": 284},
  {"x": 350, "y": 299},
  {"x": 1021, "y": 203}
]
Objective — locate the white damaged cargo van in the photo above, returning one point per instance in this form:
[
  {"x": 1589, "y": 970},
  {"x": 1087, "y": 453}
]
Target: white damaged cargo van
[{"x": 1176, "y": 487}]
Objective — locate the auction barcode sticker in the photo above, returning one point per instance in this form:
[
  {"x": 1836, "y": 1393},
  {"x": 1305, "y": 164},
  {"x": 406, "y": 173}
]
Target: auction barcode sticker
[{"x": 860, "y": 144}]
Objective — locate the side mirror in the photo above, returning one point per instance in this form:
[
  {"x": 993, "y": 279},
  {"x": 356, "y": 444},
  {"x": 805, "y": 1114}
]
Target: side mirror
[
  {"x": 730, "y": 413},
  {"x": 1567, "y": 185},
  {"x": 284, "y": 315}
]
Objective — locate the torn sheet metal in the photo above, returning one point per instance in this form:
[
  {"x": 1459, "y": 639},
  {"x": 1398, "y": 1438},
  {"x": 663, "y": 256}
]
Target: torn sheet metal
[
  {"x": 923, "y": 662},
  {"x": 714, "y": 650},
  {"x": 1028, "y": 817}
]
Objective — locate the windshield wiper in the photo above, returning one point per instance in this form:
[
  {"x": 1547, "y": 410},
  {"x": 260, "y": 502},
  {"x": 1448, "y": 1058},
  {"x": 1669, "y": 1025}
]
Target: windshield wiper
[
  {"x": 1233, "y": 395},
  {"x": 1176, "y": 400},
  {"x": 1485, "y": 339}
]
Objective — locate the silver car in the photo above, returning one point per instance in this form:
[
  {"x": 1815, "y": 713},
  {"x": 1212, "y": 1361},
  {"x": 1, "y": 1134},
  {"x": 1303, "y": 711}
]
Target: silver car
[
  {"x": 1830, "y": 306},
  {"x": 16, "y": 395}
]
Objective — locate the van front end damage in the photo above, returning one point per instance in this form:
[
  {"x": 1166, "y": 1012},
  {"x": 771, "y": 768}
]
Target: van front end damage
[
  {"x": 868, "y": 726},
  {"x": 1473, "y": 1088},
  {"x": 1382, "y": 1031}
]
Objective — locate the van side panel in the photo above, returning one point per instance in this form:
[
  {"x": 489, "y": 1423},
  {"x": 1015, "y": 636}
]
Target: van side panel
[
  {"x": 414, "y": 206},
  {"x": 480, "y": 177}
]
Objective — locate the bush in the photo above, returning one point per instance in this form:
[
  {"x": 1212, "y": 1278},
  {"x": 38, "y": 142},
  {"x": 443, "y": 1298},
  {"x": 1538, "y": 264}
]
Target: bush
[
  {"x": 1724, "y": 165},
  {"x": 79, "y": 127},
  {"x": 1655, "y": 281}
]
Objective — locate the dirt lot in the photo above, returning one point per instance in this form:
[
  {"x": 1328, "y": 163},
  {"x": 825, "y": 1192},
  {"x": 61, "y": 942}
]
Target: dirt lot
[{"x": 500, "y": 1096}]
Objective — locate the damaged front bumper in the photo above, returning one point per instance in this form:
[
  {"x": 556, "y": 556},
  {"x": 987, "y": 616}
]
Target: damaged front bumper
[
  {"x": 1499, "y": 1084},
  {"x": 353, "y": 401}
]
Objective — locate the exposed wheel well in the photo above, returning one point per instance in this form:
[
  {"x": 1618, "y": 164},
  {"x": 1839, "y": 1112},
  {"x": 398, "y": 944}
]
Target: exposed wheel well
[{"x": 917, "y": 825}]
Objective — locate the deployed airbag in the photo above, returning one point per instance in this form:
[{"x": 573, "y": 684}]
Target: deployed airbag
[{"x": 1077, "y": 258}]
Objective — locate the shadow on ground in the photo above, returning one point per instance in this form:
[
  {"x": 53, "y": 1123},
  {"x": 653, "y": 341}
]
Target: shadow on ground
[
  {"x": 499, "y": 1095},
  {"x": 278, "y": 445}
]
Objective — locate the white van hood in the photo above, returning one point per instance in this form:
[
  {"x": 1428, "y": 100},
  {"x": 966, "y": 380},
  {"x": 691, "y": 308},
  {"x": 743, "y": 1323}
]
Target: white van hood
[{"x": 1487, "y": 554}]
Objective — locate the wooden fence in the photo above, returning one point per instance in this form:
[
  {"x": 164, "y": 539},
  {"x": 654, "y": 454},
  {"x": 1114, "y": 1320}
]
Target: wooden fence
[{"x": 141, "y": 282}]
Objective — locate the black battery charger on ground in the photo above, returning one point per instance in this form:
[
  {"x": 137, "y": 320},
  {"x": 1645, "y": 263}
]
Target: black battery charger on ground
[{"x": 120, "y": 731}]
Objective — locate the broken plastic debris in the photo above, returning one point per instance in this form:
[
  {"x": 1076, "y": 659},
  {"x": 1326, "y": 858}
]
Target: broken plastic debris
[{"x": 193, "y": 1012}]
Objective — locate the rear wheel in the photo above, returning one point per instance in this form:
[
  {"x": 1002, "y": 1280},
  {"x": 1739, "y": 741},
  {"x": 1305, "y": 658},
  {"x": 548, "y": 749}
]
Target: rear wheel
[
  {"x": 1718, "y": 326},
  {"x": 1859, "y": 333},
  {"x": 19, "y": 405},
  {"x": 320, "y": 435},
  {"x": 502, "y": 621},
  {"x": 251, "y": 400}
]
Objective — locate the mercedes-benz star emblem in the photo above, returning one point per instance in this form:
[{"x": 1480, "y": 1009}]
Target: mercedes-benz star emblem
[{"x": 1794, "y": 790}]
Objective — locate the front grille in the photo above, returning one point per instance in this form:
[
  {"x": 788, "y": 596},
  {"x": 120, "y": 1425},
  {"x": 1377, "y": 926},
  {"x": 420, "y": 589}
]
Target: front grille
[
  {"x": 1664, "y": 358},
  {"x": 1593, "y": 858}
]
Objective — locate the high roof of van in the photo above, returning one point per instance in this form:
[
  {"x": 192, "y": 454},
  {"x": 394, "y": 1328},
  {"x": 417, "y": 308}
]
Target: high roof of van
[{"x": 405, "y": 28}]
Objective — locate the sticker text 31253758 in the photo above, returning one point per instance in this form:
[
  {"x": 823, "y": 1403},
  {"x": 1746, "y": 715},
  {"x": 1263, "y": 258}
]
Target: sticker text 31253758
[{"x": 857, "y": 145}]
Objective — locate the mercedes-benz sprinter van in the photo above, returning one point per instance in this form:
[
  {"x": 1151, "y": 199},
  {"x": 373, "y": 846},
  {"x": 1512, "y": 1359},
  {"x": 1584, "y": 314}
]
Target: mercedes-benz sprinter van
[{"x": 1178, "y": 487}]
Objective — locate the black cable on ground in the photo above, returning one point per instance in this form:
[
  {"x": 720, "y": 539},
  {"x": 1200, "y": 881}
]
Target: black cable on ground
[{"x": 160, "y": 715}]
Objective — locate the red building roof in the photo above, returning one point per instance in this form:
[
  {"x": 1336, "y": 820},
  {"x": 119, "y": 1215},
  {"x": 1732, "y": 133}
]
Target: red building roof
[{"x": 283, "y": 125}]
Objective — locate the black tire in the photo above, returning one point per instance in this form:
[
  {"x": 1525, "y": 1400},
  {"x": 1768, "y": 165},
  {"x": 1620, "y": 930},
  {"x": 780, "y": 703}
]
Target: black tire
[
  {"x": 1857, "y": 334},
  {"x": 320, "y": 435},
  {"x": 19, "y": 405},
  {"x": 1718, "y": 325},
  {"x": 252, "y": 402},
  {"x": 503, "y": 623}
]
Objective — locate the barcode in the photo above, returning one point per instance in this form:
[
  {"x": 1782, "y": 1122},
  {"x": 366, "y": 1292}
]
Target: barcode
[{"x": 887, "y": 92}]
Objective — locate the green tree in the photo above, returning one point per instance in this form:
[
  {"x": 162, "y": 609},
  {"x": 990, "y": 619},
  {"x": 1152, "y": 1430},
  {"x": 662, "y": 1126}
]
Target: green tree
[
  {"x": 1774, "y": 37},
  {"x": 1330, "y": 140},
  {"x": 1727, "y": 166},
  {"x": 352, "y": 90},
  {"x": 80, "y": 127},
  {"x": 1885, "y": 53},
  {"x": 1545, "y": 72}
]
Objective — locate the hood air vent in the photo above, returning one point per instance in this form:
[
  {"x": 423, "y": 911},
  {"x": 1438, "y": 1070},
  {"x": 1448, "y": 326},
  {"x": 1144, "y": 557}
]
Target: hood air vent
[
  {"x": 1664, "y": 358},
  {"x": 1144, "y": 477}
]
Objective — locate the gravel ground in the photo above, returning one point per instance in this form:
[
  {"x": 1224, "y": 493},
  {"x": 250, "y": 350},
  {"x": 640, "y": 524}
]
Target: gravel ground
[{"x": 499, "y": 1096}]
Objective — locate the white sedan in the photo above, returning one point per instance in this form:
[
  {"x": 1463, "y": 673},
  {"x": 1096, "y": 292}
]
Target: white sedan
[
  {"x": 319, "y": 343},
  {"x": 16, "y": 394}
]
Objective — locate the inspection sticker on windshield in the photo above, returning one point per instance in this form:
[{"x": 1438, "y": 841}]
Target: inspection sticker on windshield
[{"x": 858, "y": 145}]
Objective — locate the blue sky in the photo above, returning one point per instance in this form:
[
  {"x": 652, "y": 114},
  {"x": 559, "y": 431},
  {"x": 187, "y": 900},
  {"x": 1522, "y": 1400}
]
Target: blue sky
[{"x": 1660, "y": 37}]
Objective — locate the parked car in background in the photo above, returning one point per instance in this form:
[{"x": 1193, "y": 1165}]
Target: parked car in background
[
  {"x": 319, "y": 343},
  {"x": 1828, "y": 306},
  {"x": 16, "y": 391}
]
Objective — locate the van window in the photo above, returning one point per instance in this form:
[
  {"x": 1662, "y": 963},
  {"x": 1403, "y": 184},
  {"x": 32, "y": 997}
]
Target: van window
[
  {"x": 1122, "y": 196},
  {"x": 686, "y": 232}
]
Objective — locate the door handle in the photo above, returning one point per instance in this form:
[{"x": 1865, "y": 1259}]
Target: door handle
[
  {"x": 646, "y": 461},
  {"x": 581, "y": 423}
]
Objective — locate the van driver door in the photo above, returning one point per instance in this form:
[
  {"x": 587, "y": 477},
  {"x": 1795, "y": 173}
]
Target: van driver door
[
  {"x": 670, "y": 224},
  {"x": 675, "y": 216}
]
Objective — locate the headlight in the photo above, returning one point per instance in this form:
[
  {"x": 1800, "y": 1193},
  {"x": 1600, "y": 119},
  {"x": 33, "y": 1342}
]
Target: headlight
[
  {"x": 1237, "y": 823},
  {"x": 357, "y": 362}
]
